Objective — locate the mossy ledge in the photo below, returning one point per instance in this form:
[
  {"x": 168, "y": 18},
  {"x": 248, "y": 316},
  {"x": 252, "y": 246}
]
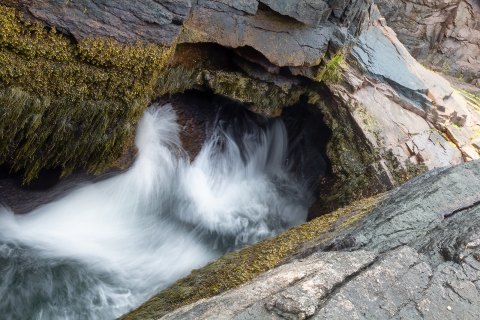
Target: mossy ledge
[
  {"x": 262, "y": 97},
  {"x": 69, "y": 105},
  {"x": 238, "y": 267}
]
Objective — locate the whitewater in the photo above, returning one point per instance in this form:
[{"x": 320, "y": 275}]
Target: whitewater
[{"x": 106, "y": 247}]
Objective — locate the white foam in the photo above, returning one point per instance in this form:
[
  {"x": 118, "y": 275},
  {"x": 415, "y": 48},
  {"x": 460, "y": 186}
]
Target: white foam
[{"x": 141, "y": 230}]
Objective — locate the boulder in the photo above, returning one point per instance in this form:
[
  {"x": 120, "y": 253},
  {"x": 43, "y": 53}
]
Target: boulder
[{"x": 422, "y": 118}]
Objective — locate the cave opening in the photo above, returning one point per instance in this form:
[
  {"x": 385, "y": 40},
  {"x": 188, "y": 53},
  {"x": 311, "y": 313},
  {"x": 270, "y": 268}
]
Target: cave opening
[
  {"x": 308, "y": 133},
  {"x": 309, "y": 136}
]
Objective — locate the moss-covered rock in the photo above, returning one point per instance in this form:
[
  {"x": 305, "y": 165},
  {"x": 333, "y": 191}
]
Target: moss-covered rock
[
  {"x": 330, "y": 70},
  {"x": 75, "y": 105},
  {"x": 66, "y": 104},
  {"x": 262, "y": 96}
]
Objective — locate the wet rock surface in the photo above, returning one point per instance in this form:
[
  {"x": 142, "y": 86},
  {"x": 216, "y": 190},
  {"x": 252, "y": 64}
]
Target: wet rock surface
[
  {"x": 416, "y": 256},
  {"x": 22, "y": 199},
  {"x": 126, "y": 21}
]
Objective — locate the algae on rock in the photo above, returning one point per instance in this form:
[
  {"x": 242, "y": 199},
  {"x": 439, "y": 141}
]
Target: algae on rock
[
  {"x": 241, "y": 266},
  {"x": 69, "y": 105},
  {"x": 330, "y": 72},
  {"x": 78, "y": 103}
]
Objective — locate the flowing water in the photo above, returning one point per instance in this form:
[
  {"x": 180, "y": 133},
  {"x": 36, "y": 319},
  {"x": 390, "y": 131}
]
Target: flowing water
[{"x": 106, "y": 247}]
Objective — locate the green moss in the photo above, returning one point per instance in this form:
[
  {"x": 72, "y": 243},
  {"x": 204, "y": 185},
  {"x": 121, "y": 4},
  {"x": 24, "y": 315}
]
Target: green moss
[
  {"x": 264, "y": 97},
  {"x": 73, "y": 105},
  {"x": 352, "y": 157},
  {"x": 403, "y": 172},
  {"x": 98, "y": 85},
  {"x": 39, "y": 132},
  {"x": 330, "y": 72},
  {"x": 359, "y": 170},
  {"x": 178, "y": 79},
  {"x": 238, "y": 267}
]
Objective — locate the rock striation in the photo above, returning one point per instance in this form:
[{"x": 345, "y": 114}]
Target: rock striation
[
  {"x": 287, "y": 33},
  {"x": 422, "y": 118}
]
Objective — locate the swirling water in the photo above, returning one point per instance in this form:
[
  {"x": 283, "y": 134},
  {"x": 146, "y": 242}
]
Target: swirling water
[{"x": 106, "y": 247}]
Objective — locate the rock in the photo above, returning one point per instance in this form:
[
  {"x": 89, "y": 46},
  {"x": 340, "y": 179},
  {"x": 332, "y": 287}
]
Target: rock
[
  {"x": 210, "y": 21},
  {"x": 282, "y": 41},
  {"x": 381, "y": 55},
  {"x": 390, "y": 118},
  {"x": 310, "y": 12},
  {"x": 292, "y": 289},
  {"x": 422, "y": 206},
  {"x": 381, "y": 291},
  {"x": 418, "y": 106},
  {"x": 416, "y": 256},
  {"x": 444, "y": 34},
  {"x": 146, "y": 20},
  {"x": 23, "y": 199}
]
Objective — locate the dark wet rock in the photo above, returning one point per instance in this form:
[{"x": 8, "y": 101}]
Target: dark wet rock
[
  {"x": 416, "y": 256},
  {"x": 289, "y": 33},
  {"x": 310, "y": 12},
  {"x": 194, "y": 111},
  {"x": 421, "y": 207},
  {"x": 22, "y": 199},
  {"x": 127, "y": 21}
]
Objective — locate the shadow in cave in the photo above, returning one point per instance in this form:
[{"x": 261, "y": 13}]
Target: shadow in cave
[
  {"x": 308, "y": 134},
  {"x": 46, "y": 187},
  {"x": 199, "y": 112},
  {"x": 308, "y": 137},
  {"x": 45, "y": 179}
]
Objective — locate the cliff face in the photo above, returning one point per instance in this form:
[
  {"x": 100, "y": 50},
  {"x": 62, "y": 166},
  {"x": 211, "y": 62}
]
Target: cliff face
[
  {"x": 87, "y": 82},
  {"x": 442, "y": 34}
]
